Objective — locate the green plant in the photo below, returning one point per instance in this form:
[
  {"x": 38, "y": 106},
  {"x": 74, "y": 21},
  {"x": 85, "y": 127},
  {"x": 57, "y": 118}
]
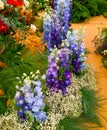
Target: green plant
[
  {"x": 87, "y": 8},
  {"x": 38, "y": 22},
  {"x": 69, "y": 123},
  {"x": 79, "y": 12},
  {"x": 90, "y": 104}
]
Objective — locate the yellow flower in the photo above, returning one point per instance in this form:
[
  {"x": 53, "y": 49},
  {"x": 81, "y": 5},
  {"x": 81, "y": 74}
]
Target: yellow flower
[{"x": 8, "y": 102}]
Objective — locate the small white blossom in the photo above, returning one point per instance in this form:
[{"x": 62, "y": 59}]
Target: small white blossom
[
  {"x": 26, "y": 3},
  {"x": 43, "y": 76},
  {"x": 1, "y": 5},
  {"x": 33, "y": 27},
  {"x": 37, "y": 72}
]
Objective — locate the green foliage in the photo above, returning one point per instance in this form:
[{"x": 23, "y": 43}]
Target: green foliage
[
  {"x": 42, "y": 4},
  {"x": 39, "y": 24},
  {"x": 3, "y": 106},
  {"x": 79, "y": 12},
  {"x": 69, "y": 123},
  {"x": 84, "y": 9},
  {"x": 104, "y": 60},
  {"x": 90, "y": 104},
  {"x": 38, "y": 5},
  {"x": 12, "y": 53},
  {"x": 105, "y": 14},
  {"x": 35, "y": 126}
]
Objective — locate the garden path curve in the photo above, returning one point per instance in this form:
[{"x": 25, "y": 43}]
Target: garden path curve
[{"x": 92, "y": 25}]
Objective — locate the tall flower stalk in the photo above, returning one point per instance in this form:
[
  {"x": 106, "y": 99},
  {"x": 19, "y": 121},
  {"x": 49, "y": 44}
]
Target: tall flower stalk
[
  {"x": 46, "y": 26},
  {"x": 58, "y": 72},
  {"x": 29, "y": 98},
  {"x": 56, "y": 27},
  {"x": 74, "y": 42},
  {"x": 63, "y": 14}
]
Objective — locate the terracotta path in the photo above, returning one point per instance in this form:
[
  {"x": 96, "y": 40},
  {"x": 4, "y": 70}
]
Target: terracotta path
[{"x": 92, "y": 25}]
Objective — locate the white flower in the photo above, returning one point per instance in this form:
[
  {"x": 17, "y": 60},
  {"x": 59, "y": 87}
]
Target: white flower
[
  {"x": 43, "y": 76},
  {"x": 26, "y": 3},
  {"x": 1, "y": 5},
  {"x": 24, "y": 74},
  {"x": 38, "y": 72},
  {"x": 27, "y": 81},
  {"x": 33, "y": 27},
  {"x": 17, "y": 94},
  {"x": 17, "y": 87}
]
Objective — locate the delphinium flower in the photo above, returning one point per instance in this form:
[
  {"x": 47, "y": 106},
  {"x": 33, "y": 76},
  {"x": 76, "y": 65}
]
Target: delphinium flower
[
  {"x": 29, "y": 98},
  {"x": 15, "y": 2},
  {"x": 75, "y": 42},
  {"x": 63, "y": 14},
  {"x": 56, "y": 23},
  {"x": 3, "y": 27},
  {"x": 52, "y": 30},
  {"x": 55, "y": 31},
  {"x": 46, "y": 26},
  {"x": 55, "y": 4},
  {"x": 58, "y": 72}
]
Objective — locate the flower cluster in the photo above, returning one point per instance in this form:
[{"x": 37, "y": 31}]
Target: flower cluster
[
  {"x": 58, "y": 72},
  {"x": 3, "y": 27},
  {"x": 30, "y": 99},
  {"x": 15, "y": 2},
  {"x": 55, "y": 4},
  {"x": 69, "y": 104},
  {"x": 56, "y": 24},
  {"x": 52, "y": 30},
  {"x": 55, "y": 31},
  {"x": 74, "y": 42},
  {"x": 63, "y": 14},
  {"x": 10, "y": 121},
  {"x": 46, "y": 26}
]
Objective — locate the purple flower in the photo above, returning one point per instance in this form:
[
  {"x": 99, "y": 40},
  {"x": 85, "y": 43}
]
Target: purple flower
[
  {"x": 20, "y": 101},
  {"x": 38, "y": 83},
  {"x": 26, "y": 88},
  {"x": 30, "y": 99},
  {"x": 58, "y": 71},
  {"x": 41, "y": 116},
  {"x": 35, "y": 108},
  {"x": 26, "y": 107},
  {"x": 38, "y": 101},
  {"x": 38, "y": 91},
  {"x": 20, "y": 112},
  {"x": 67, "y": 74}
]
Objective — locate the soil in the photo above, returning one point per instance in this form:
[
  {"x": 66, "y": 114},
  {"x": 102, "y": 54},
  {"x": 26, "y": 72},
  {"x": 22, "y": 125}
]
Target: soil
[{"x": 92, "y": 26}]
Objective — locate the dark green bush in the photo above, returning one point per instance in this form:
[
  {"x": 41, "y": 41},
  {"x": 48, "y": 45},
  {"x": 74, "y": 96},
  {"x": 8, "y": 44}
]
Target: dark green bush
[{"x": 84, "y": 9}]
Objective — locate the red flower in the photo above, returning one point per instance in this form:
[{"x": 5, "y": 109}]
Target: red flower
[
  {"x": 3, "y": 27},
  {"x": 15, "y": 2}
]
